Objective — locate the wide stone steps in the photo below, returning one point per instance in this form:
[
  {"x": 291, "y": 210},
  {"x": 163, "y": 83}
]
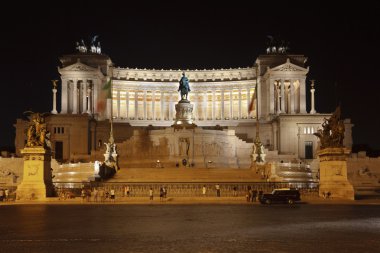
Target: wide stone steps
[{"x": 184, "y": 175}]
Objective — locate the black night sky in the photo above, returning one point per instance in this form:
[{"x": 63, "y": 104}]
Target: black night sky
[{"x": 342, "y": 45}]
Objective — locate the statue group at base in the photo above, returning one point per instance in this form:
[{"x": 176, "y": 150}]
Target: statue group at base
[
  {"x": 333, "y": 179},
  {"x": 332, "y": 134},
  {"x": 37, "y": 133},
  {"x": 37, "y": 181}
]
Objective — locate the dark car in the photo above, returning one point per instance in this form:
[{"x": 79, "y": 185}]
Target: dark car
[{"x": 281, "y": 196}]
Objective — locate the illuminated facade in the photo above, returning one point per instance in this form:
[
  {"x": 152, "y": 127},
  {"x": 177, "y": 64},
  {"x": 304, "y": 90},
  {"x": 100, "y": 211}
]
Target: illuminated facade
[{"x": 146, "y": 98}]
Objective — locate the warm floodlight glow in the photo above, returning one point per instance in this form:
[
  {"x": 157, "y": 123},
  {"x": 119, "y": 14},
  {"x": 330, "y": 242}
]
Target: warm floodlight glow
[{"x": 96, "y": 167}]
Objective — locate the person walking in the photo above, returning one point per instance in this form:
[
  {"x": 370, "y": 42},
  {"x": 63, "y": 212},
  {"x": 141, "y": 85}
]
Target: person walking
[
  {"x": 150, "y": 193},
  {"x": 95, "y": 195},
  {"x": 83, "y": 194},
  {"x": 1, "y": 194},
  {"x": 254, "y": 195},
  {"x": 165, "y": 191},
  {"x": 126, "y": 191},
  {"x": 6, "y": 194},
  {"x": 204, "y": 191},
  {"x": 217, "y": 187},
  {"x": 161, "y": 193},
  {"x": 112, "y": 193},
  {"x": 249, "y": 194},
  {"x": 234, "y": 191},
  {"x": 260, "y": 195}
]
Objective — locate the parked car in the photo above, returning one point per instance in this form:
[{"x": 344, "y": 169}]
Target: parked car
[{"x": 281, "y": 196}]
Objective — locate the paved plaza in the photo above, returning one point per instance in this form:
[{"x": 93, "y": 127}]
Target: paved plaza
[{"x": 211, "y": 226}]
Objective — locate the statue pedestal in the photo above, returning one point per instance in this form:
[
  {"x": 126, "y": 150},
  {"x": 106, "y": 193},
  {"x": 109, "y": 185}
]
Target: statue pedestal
[
  {"x": 184, "y": 115},
  {"x": 333, "y": 173},
  {"x": 37, "y": 181}
]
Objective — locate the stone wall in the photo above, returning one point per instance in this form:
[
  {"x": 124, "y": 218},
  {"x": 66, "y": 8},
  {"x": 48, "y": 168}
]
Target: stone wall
[
  {"x": 11, "y": 171},
  {"x": 199, "y": 147},
  {"x": 364, "y": 173}
]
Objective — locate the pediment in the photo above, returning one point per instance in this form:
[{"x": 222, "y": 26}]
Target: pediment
[
  {"x": 289, "y": 67},
  {"x": 79, "y": 67}
]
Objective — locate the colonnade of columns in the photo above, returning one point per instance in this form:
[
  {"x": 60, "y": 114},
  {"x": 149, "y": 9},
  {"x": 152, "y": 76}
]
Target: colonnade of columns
[
  {"x": 79, "y": 96},
  {"x": 214, "y": 104},
  {"x": 287, "y": 96}
]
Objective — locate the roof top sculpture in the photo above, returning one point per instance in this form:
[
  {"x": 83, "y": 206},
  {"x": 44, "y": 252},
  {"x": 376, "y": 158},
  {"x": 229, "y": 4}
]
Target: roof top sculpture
[
  {"x": 274, "y": 47},
  {"x": 94, "y": 47}
]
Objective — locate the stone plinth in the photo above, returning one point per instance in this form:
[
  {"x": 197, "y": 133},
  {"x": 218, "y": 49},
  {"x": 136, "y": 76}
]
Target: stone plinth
[
  {"x": 333, "y": 173},
  {"x": 184, "y": 115},
  {"x": 204, "y": 147},
  {"x": 37, "y": 180}
]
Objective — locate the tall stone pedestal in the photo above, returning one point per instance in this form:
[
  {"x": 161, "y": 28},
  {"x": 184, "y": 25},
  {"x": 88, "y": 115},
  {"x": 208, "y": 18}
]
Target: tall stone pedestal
[
  {"x": 184, "y": 115},
  {"x": 333, "y": 173},
  {"x": 37, "y": 181}
]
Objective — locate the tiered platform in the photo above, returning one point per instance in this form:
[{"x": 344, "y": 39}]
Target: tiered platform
[{"x": 194, "y": 175}]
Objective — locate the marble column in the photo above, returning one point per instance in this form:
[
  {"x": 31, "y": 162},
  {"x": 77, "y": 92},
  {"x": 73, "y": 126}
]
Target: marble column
[
  {"x": 54, "y": 111},
  {"x": 239, "y": 103},
  {"x": 64, "y": 96},
  {"x": 75, "y": 96},
  {"x": 144, "y": 105},
  {"x": 162, "y": 114},
  {"x": 127, "y": 105},
  {"x": 95, "y": 88},
  {"x": 292, "y": 97},
  {"x": 136, "y": 105},
  {"x": 89, "y": 100},
  {"x": 282, "y": 96},
  {"x": 271, "y": 96},
  {"x": 222, "y": 104},
  {"x": 213, "y": 104},
  {"x": 278, "y": 97},
  {"x": 205, "y": 105},
  {"x": 153, "y": 105},
  {"x": 118, "y": 104},
  {"x": 195, "y": 105},
  {"x": 171, "y": 106},
  {"x": 231, "y": 116},
  {"x": 248, "y": 101},
  {"x": 312, "y": 91},
  {"x": 84, "y": 95},
  {"x": 302, "y": 96}
]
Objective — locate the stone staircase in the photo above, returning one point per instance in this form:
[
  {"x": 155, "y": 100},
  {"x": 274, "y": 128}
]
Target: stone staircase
[
  {"x": 185, "y": 175},
  {"x": 73, "y": 172},
  {"x": 244, "y": 137}
]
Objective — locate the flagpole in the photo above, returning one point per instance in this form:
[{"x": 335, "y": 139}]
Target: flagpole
[
  {"x": 111, "y": 140},
  {"x": 258, "y": 149},
  {"x": 257, "y": 104}
]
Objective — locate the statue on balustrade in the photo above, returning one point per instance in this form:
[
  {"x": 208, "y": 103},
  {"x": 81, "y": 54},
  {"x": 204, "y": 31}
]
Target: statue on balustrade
[
  {"x": 184, "y": 87},
  {"x": 332, "y": 134}
]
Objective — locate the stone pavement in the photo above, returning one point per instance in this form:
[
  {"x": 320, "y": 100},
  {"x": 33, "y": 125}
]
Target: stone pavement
[{"x": 192, "y": 201}]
